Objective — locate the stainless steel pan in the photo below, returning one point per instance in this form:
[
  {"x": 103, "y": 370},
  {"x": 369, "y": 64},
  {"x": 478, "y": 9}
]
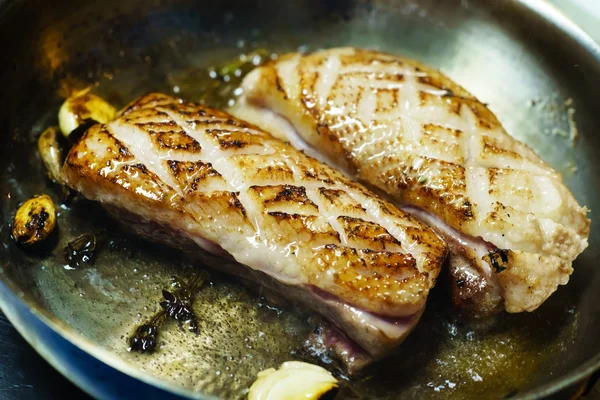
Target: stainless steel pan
[{"x": 534, "y": 68}]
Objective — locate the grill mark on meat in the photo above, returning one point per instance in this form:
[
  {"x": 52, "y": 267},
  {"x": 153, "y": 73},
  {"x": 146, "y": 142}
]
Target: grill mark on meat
[
  {"x": 290, "y": 193},
  {"x": 173, "y": 140},
  {"x": 357, "y": 229},
  {"x": 141, "y": 148},
  {"x": 330, "y": 214},
  {"x": 223, "y": 167},
  {"x": 196, "y": 176},
  {"x": 279, "y": 86}
]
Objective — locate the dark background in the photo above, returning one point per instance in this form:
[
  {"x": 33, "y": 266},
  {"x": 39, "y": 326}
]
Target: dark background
[{"x": 24, "y": 374}]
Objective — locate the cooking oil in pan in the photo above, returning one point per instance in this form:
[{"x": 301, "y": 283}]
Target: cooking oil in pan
[{"x": 239, "y": 333}]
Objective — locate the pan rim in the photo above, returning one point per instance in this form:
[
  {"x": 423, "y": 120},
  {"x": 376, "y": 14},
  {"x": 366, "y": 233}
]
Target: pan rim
[{"x": 542, "y": 8}]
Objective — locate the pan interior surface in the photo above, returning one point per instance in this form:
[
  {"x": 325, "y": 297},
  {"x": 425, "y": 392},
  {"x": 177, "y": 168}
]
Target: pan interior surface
[{"x": 542, "y": 84}]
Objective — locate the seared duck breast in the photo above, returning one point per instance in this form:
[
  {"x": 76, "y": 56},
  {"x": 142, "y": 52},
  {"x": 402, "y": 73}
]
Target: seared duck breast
[
  {"x": 512, "y": 226},
  {"x": 202, "y": 180}
]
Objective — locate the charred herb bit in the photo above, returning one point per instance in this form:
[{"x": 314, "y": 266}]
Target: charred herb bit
[
  {"x": 144, "y": 338},
  {"x": 493, "y": 255},
  {"x": 177, "y": 305},
  {"x": 180, "y": 310},
  {"x": 83, "y": 249}
]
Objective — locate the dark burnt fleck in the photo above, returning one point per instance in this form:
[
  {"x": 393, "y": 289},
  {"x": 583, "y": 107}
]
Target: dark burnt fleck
[
  {"x": 37, "y": 222},
  {"x": 310, "y": 174},
  {"x": 330, "y": 194},
  {"x": 292, "y": 193},
  {"x": 206, "y": 122},
  {"x": 503, "y": 255},
  {"x": 211, "y": 170},
  {"x": 141, "y": 167},
  {"x": 467, "y": 209},
  {"x": 232, "y": 143},
  {"x": 174, "y": 165},
  {"x": 495, "y": 264},
  {"x": 235, "y": 202},
  {"x": 460, "y": 283},
  {"x": 282, "y": 215},
  {"x": 124, "y": 152},
  {"x": 279, "y": 86}
]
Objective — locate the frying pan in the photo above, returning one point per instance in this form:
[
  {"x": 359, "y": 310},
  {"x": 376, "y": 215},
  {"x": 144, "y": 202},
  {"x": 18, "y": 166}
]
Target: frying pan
[{"x": 537, "y": 71}]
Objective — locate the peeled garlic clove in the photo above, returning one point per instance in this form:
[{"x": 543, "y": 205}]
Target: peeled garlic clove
[
  {"x": 294, "y": 380},
  {"x": 50, "y": 152},
  {"x": 81, "y": 106},
  {"x": 34, "y": 221}
]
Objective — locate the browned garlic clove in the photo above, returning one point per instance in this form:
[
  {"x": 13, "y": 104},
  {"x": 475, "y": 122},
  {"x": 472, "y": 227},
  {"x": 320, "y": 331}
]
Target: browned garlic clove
[
  {"x": 82, "y": 106},
  {"x": 294, "y": 380},
  {"x": 34, "y": 221},
  {"x": 51, "y": 154}
]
